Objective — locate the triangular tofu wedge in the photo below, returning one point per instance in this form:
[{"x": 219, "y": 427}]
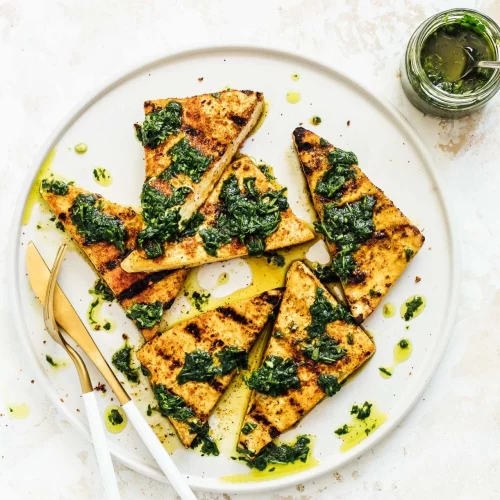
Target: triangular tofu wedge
[
  {"x": 167, "y": 358},
  {"x": 287, "y": 229},
  {"x": 389, "y": 240},
  {"x": 141, "y": 293},
  {"x": 188, "y": 143},
  {"x": 313, "y": 354}
]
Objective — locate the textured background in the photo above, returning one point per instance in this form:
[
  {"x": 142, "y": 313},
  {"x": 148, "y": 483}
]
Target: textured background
[{"x": 52, "y": 53}]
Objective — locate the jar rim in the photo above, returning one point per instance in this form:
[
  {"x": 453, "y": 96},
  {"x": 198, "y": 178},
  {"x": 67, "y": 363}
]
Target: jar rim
[{"x": 436, "y": 94}]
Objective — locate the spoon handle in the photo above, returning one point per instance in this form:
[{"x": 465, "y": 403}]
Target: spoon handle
[{"x": 488, "y": 64}]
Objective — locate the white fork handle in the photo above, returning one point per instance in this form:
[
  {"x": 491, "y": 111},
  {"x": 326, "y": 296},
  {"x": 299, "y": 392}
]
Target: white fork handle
[
  {"x": 177, "y": 480},
  {"x": 101, "y": 447}
]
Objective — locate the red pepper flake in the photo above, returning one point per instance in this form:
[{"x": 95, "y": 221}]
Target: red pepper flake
[
  {"x": 418, "y": 279},
  {"x": 124, "y": 336},
  {"x": 348, "y": 123},
  {"x": 100, "y": 387},
  {"x": 200, "y": 79}
]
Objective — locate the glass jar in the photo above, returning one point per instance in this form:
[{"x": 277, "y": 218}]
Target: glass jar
[{"x": 423, "y": 93}]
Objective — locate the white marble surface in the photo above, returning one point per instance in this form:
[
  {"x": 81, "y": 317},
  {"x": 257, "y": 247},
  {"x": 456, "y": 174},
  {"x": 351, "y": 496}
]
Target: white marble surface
[{"x": 54, "y": 52}]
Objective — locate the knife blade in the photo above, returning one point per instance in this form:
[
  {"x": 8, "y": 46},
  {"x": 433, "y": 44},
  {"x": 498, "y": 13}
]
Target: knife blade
[{"x": 68, "y": 319}]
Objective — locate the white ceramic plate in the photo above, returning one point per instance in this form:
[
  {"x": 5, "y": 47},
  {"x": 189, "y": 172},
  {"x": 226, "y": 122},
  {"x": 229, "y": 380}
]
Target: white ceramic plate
[{"x": 390, "y": 153}]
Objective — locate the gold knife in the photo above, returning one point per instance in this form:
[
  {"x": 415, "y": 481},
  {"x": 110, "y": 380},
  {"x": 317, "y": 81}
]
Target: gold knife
[{"x": 68, "y": 319}]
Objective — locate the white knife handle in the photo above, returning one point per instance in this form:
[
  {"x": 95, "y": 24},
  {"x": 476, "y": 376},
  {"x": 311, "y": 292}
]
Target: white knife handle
[
  {"x": 101, "y": 446},
  {"x": 177, "y": 480}
]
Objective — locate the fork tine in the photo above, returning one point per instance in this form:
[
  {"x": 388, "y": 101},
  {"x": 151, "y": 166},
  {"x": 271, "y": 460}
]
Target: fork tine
[{"x": 48, "y": 308}]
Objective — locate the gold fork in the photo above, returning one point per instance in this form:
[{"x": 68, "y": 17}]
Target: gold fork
[{"x": 88, "y": 394}]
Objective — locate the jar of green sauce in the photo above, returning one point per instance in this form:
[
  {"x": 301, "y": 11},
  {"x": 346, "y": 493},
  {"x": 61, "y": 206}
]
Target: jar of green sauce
[{"x": 436, "y": 59}]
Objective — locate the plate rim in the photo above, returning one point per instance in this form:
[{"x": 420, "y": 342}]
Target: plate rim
[{"x": 198, "y": 482}]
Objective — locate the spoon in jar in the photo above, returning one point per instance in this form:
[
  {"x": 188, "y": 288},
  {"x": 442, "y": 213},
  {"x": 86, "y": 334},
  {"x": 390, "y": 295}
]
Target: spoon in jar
[{"x": 471, "y": 63}]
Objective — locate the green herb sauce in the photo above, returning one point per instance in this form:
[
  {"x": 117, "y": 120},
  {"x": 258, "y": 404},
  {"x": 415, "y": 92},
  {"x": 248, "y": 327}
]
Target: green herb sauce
[
  {"x": 203, "y": 438},
  {"x": 444, "y": 60},
  {"x": 146, "y": 315},
  {"x": 161, "y": 215},
  {"x": 186, "y": 160},
  {"x": 200, "y": 299},
  {"x": 172, "y": 406},
  {"x": 249, "y": 216},
  {"x": 333, "y": 180},
  {"x": 275, "y": 377},
  {"x": 122, "y": 361},
  {"x": 266, "y": 170},
  {"x": 282, "y": 454},
  {"x": 160, "y": 124},
  {"x": 115, "y": 417},
  {"x": 347, "y": 226},
  {"x": 199, "y": 365},
  {"x": 275, "y": 258},
  {"x": 412, "y": 307},
  {"x": 329, "y": 384},
  {"x": 96, "y": 226},
  {"x": 102, "y": 290},
  {"x": 54, "y": 186},
  {"x": 362, "y": 412},
  {"x": 248, "y": 428},
  {"x": 50, "y": 360}
]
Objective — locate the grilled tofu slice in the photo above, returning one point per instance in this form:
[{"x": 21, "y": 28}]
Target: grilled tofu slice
[
  {"x": 191, "y": 251},
  {"x": 270, "y": 415},
  {"x": 383, "y": 257},
  {"x": 203, "y": 133},
  {"x": 128, "y": 288},
  {"x": 233, "y": 326}
]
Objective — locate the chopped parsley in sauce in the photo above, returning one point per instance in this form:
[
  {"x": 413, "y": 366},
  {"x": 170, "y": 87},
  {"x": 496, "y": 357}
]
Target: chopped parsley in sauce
[
  {"x": 170, "y": 405},
  {"x": 249, "y": 216},
  {"x": 203, "y": 438},
  {"x": 161, "y": 215},
  {"x": 329, "y": 384},
  {"x": 266, "y": 170},
  {"x": 96, "y": 226},
  {"x": 186, "y": 160},
  {"x": 408, "y": 254},
  {"x": 412, "y": 306},
  {"x": 122, "y": 361},
  {"x": 146, "y": 315},
  {"x": 115, "y": 417},
  {"x": 333, "y": 180},
  {"x": 54, "y": 186},
  {"x": 362, "y": 412},
  {"x": 275, "y": 377},
  {"x": 248, "y": 428},
  {"x": 160, "y": 124},
  {"x": 347, "y": 226},
  {"x": 199, "y": 365},
  {"x": 280, "y": 454},
  {"x": 200, "y": 299},
  {"x": 102, "y": 290}
]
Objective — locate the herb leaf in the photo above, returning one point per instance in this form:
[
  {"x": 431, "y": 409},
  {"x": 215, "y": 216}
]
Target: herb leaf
[
  {"x": 249, "y": 216},
  {"x": 342, "y": 430},
  {"x": 96, "y": 226},
  {"x": 162, "y": 218},
  {"x": 115, "y": 417},
  {"x": 160, "y": 124},
  {"x": 362, "y": 412},
  {"x": 55, "y": 187},
  {"x": 347, "y": 226},
  {"x": 283, "y": 454},
  {"x": 248, "y": 428},
  {"x": 122, "y": 360},
  {"x": 408, "y": 254},
  {"x": 275, "y": 377},
  {"x": 171, "y": 405},
  {"x": 102, "y": 290},
  {"x": 203, "y": 438},
  {"x": 186, "y": 160},
  {"x": 146, "y": 315},
  {"x": 333, "y": 180},
  {"x": 324, "y": 312},
  {"x": 412, "y": 307},
  {"x": 324, "y": 349},
  {"x": 329, "y": 384}
]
